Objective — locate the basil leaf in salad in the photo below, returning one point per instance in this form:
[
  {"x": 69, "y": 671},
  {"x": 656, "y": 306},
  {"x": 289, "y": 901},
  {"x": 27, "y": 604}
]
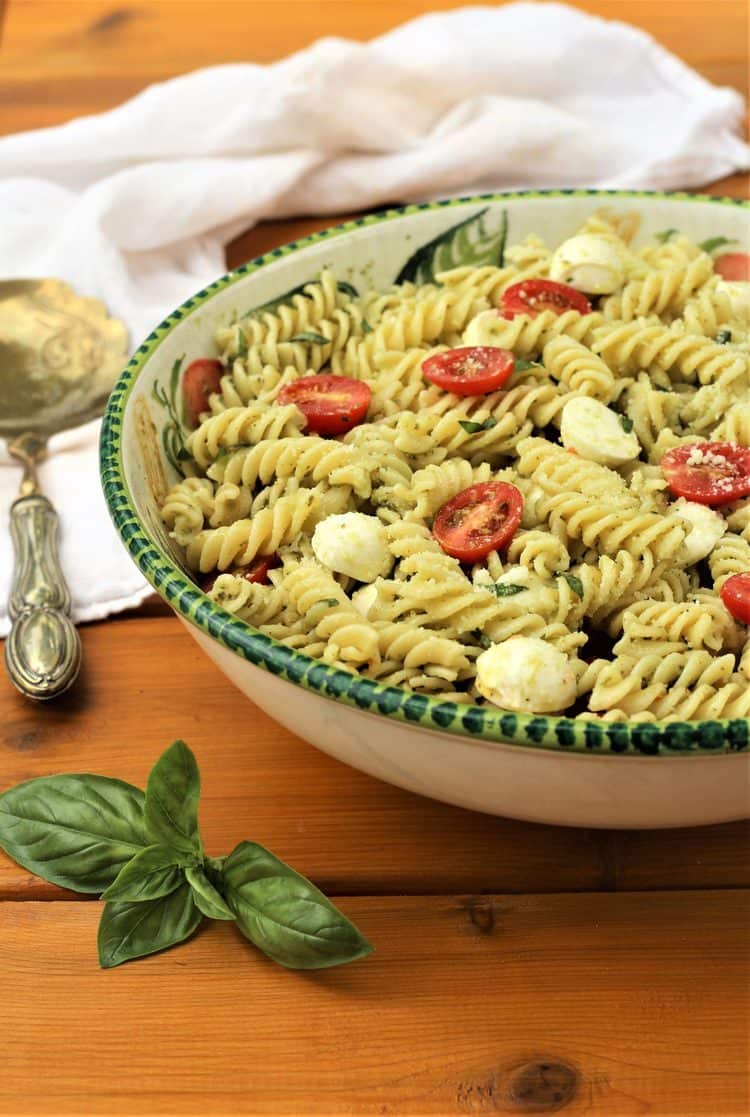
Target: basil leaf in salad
[
  {"x": 506, "y": 589},
  {"x": 573, "y": 581},
  {"x": 665, "y": 235},
  {"x": 713, "y": 243},
  {"x": 311, "y": 338},
  {"x": 473, "y": 428},
  {"x": 627, "y": 423}
]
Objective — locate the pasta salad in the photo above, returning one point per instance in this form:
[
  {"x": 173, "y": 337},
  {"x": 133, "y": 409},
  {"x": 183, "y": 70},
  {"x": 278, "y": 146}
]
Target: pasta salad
[{"x": 525, "y": 484}]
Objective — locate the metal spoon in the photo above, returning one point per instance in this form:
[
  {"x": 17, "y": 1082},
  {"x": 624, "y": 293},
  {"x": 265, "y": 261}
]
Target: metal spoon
[{"x": 59, "y": 357}]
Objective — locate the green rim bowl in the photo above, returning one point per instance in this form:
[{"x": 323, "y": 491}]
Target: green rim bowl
[{"x": 142, "y": 436}]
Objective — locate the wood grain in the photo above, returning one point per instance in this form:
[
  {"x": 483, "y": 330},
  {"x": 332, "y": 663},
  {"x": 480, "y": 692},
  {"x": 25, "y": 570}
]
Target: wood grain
[
  {"x": 619, "y": 993},
  {"x": 351, "y": 833}
]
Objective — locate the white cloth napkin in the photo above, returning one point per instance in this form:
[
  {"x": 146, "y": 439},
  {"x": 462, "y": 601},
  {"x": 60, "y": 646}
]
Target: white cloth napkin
[{"x": 135, "y": 205}]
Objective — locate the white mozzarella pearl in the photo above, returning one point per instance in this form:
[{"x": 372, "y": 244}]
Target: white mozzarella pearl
[
  {"x": 353, "y": 543},
  {"x": 526, "y": 674},
  {"x": 589, "y": 263},
  {"x": 596, "y": 433},
  {"x": 706, "y": 528}
]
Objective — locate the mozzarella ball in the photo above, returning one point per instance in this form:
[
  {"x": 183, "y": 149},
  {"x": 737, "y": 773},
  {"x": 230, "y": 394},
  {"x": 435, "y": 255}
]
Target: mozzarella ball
[
  {"x": 589, "y": 263},
  {"x": 706, "y": 529},
  {"x": 527, "y": 675},
  {"x": 354, "y": 544},
  {"x": 365, "y": 599},
  {"x": 596, "y": 433},
  {"x": 486, "y": 328},
  {"x": 738, "y": 293}
]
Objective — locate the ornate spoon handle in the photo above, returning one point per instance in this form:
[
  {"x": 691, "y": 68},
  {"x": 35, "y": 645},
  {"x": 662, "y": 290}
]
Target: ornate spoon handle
[{"x": 43, "y": 649}]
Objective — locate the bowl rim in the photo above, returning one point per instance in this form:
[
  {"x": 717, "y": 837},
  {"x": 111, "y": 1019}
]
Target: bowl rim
[{"x": 555, "y": 733}]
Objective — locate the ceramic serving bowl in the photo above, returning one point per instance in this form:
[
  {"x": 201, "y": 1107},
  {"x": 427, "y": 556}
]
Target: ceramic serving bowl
[{"x": 541, "y": 768}]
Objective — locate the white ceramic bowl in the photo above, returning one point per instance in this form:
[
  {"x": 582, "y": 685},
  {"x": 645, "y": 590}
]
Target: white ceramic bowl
[{"x": 545, "y": 769}]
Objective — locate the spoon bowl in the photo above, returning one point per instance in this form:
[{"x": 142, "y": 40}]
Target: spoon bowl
[{"x": 60, "y": 355}]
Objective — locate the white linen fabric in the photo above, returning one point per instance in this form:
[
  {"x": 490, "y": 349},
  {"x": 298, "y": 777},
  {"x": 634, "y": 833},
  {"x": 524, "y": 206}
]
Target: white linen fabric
[{"x": 135, "y": 205}]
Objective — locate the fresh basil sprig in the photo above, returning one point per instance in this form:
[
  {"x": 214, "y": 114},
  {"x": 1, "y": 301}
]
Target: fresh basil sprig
[{"x": 144, "y": 854}]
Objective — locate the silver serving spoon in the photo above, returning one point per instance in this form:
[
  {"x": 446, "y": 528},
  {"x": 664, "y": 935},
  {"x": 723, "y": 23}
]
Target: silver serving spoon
[{"x": 59, "y": 357}]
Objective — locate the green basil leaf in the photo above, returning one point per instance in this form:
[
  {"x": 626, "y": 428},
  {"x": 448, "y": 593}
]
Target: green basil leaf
[
  {"x": 723, "y": 337},
  {"x": 172, "y": 794},
  {"x": 77, "y": 831},
  {"x": 152, "y": 873},
  {"x": 347, "y": 289},
  {"x": 207, "y": 898},
  {"x": 366, "y": 327},
  {"x": 285, "y": 915},
  {"x": 524, "y": 366},
  {"x": 128, "y": 931},
  {"x": 329, "y": 601},
  {"x": 664, "y": 236},
  {"x": 481, "y": 639},
  {"x": 311, "y": 338},
  {"x": 573, "y": 581},
  {"x": 472, "y": 428},
  {"x": 506, "y": 589},
  {"x": 242, "y": 343},
  {"x": 627, "y": 423},
  {"x": 713, "y": 243}
]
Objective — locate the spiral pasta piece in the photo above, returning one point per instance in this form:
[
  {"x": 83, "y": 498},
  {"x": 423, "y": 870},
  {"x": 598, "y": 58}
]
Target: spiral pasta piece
[
  {"x": 240, "y": 426},
  {"x": 303, "y": 458},
  {"x": 633, "y": 346},
  {"x": 239, "y": 543},
  {"x": 319, "y": 598},
  {"x": 582, "y": 371},
  {"x": 665, "y": 291}
]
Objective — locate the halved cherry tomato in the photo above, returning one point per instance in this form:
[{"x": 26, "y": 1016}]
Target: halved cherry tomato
[
  {"x": 470, "y": 370},
  {"x": 734, "y": 266},
  {"x": 256, "y": 571},
  {"x": 331, "y": 404},
  {"x": 735, "y": 593},
  {"x": 201, "y": 378},
  {"x": 480, "y": 519},
  {"x": 532, "y": 296},
  {"x": 712, "y": 473}
]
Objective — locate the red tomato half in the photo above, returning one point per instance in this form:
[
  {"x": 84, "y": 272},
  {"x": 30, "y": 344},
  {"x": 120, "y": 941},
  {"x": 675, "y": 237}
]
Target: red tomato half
[
  {"x": 201, "y": 378},
  {"x": 532, "y": 296},
  {"x": 712, "y": 473},
  {"x": 733, "y": 266},
  {"x": 480, "y": 519},
  {"x": 735, "y": 593},
  {"x": 470, "y": 370},
  {"x": 331, "y": 404},
  {"x": 256, "y": 571}
]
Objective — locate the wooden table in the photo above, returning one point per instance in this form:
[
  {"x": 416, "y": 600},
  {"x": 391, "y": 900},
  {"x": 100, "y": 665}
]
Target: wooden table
[{"x": 519, "y": 968}]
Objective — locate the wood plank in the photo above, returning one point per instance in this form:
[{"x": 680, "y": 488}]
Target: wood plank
[
  {"x": 62, "y": 59},
  {"x": 349, "y": 832},
  {"x": 632, "y": 1003}
]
